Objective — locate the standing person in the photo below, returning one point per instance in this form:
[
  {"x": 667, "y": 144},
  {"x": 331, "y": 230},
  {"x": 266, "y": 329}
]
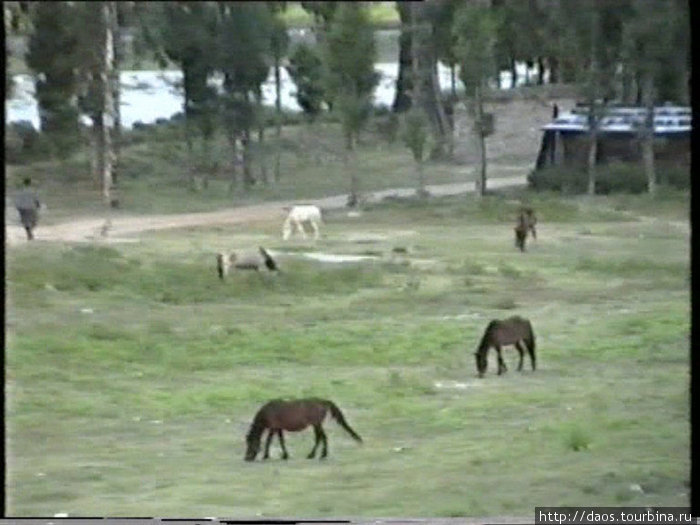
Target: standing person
[{"x": 27, "y": 204}]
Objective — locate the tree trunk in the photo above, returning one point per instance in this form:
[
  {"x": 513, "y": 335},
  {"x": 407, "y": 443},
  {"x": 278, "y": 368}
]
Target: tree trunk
[
  {"x": 353, "y": 197},
  {"x": 248, "y": 179},
  {"x": 116, "y": 89},
  {"x": 107, "y": 110},
  {"x": 428, "y": 86},
  {"x": 189, "y": 124},
  {"x": 235, "y": 162},
  {"x": 593, "y": 120},
  {"x": 97, "y": 137},
  {"x": 453, "y": 82},
  {"x": 262, "y": 160},
  {"x": 648, "y": 138},
  {"x": 404, "y": 83},
  {"x": 553, "y": 69},
  {"x": 278, "y": 118},
  {"x": 540, "y": 71},
  {"x": 480, "y": 141},
  {"x": 421, "y": 192},
  {"x": 443, "y": 124},
  {"x": 638, "y": 86},
  {"x": 260, "y": 156},
  {"x": 626, "y": 81},
  {"x": 513, "y": 74},
  {"x": 592, "y": 154}
]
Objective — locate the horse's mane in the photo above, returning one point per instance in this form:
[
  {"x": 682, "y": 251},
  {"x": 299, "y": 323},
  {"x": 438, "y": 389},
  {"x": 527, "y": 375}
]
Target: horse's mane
[
  {"x": 483, "y": 344},
  {"x": 257, "y": 426}
]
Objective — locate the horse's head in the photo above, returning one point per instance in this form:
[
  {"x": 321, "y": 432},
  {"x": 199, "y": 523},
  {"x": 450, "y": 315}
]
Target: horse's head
[
  {"x": 253, "y": 446},
  {"x": 481, "y": 362}
]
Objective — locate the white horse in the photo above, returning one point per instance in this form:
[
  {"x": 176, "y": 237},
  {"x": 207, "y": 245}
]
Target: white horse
[{"x": 297, "y": 216}]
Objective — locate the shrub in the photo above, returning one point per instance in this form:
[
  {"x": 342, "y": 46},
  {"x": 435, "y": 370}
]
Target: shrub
[
  {"x": 678, "y": 178},
  {"x": 20, "y": 141},
  {"x": 13, "y": 146},
  {"x": 620, "y": 178},
  {"x": 563, "y": 179},
  {"x": 576, "y": 438}
]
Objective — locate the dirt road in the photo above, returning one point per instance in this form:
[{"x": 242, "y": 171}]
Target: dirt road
[{"x": 123, "y": 228}]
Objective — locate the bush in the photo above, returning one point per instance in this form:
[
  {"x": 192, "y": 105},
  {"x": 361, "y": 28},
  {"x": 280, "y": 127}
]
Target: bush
[
  {"x": 620, "y": 178},
  {"x": 21, "y": 140},
  {"x": 13, "y": 146},
  {"x": 563, "y": 179},
  {"x": 678, "y": 178},
  {"x": 617, "y": 177}
]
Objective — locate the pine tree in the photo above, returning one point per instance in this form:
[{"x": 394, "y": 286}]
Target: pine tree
[
  {"x": 475, "y": 30},
  {"x": 349, "y": 58}
]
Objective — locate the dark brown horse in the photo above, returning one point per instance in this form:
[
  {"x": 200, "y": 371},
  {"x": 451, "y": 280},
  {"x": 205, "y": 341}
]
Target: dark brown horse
[
  {"x": 526, "y": 222},
  {"x": 293, "y": 415},
  {"x": 512, "y": 331}
]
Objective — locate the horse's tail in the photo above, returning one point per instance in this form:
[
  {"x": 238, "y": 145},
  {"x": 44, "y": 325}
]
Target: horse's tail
[
  {"x": 486, "y": 338},
  {"x": 338, "y": 416},
  {"x": 531, "y": 338}
]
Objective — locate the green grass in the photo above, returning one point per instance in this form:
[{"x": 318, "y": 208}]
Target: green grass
[{"x": 133, "y": 372}]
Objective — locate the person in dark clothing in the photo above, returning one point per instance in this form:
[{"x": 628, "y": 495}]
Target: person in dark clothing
[{"x": 27, "y": 204}]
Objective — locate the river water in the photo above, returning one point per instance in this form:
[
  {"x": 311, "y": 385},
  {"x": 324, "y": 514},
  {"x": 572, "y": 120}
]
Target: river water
[{"x": 150, "y": 95}]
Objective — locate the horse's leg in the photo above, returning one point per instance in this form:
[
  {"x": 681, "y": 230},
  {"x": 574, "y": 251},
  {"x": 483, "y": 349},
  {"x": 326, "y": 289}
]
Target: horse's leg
[
  {"x": 324, "y": 438},
  {"x": 315, "y": 228},
  {"x": 284, "y": 449},
  {"x": 531, "y": 350},
  {"x": 270, "y": 433},
  {"x": 300, "y": 228},
  {"x": 317, "y": 440},
  {"x": 519, "y": 346},
  {"x": 501, "y": 363}
]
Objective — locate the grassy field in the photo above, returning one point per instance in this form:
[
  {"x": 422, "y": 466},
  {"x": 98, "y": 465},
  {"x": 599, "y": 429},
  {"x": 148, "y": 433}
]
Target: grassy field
[{"x": 133, "y": 373}]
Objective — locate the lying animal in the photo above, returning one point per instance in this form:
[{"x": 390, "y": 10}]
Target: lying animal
[
  {"x": 299, "y": 215},
  {"x": 250, "y": 261}
]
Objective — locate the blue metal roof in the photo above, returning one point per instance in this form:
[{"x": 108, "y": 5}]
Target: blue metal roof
[{"x": 667, "y": 120}]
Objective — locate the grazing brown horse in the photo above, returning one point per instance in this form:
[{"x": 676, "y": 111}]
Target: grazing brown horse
[
  {"x": 512, "y": 331},
  {"x": 526, "y": 222},
  {"x": 293, "y": 415}
]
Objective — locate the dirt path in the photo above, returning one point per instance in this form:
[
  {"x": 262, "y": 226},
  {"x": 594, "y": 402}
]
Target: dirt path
[{"x": 123, "y": 228}]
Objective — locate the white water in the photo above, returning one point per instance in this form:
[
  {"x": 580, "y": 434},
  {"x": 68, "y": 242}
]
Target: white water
[{"x": 149, "y": 95}]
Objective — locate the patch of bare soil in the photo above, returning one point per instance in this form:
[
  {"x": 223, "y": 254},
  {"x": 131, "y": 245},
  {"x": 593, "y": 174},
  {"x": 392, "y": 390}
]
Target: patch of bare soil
[
  {"x": 117, "y": 228},
  {"x": 517, "y": 132},
  {"x": 510, "y": 150}
]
